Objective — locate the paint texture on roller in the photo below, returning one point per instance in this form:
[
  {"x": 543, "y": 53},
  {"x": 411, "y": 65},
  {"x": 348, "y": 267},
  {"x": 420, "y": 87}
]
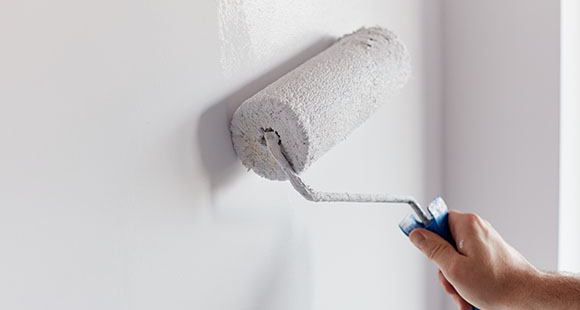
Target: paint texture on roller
[{"x": 316, "y": 106}]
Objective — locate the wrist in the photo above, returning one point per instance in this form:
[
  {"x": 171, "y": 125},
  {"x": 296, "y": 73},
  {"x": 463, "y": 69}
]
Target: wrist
[
  {"x": 550, "y": 290},
  {"x": 532, "y": 290},
  {"x": 525, "y": 290}
]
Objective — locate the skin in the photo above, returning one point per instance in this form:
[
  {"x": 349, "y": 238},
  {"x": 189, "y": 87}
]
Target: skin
[{"x": 488, "y": 273}]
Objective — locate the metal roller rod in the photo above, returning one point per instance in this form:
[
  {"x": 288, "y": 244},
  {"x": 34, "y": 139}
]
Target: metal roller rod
[{"x": 274, "y": 146}]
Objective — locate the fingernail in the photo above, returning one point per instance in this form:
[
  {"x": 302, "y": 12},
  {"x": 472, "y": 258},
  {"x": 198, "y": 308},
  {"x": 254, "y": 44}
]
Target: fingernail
[{"x": 417, "y": 239}]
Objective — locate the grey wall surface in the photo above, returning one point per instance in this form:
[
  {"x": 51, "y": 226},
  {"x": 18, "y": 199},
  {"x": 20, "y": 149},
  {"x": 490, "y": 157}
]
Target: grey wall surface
[
  {"x": 501, "y": 118},
  {"x": 119, "y": 187}
]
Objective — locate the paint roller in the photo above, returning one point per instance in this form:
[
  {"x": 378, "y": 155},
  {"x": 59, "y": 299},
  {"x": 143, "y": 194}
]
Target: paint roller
[
  {"x": 284, "y": 128},
  {"x": 280, "y": 131}
]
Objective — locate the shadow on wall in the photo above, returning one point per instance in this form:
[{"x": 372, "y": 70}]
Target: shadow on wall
[{"x": 214, "y": 138}]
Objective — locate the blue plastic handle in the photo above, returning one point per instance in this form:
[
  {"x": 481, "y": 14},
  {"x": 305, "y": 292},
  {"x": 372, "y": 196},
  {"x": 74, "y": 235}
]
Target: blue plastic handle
[{"x": 439, "y": 224}]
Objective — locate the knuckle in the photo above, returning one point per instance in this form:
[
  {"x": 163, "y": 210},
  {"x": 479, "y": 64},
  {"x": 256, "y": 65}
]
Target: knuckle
[
  {"x": 473, "y": 220},
  {"x": 487, "y": 224}
]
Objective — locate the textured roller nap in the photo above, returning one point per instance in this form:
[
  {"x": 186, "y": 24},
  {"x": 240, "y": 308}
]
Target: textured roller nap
[{"x": 318, "y": 104}]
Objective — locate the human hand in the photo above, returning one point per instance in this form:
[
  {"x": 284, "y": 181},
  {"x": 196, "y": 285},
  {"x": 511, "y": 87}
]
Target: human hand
[{"x": 484, "y": 270}]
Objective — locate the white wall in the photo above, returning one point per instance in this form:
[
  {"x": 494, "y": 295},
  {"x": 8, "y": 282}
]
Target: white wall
[
  {"x": 501, "y": 118},
  {"x": 569, "y": 230},
  {"x": 119, "y": 188}
]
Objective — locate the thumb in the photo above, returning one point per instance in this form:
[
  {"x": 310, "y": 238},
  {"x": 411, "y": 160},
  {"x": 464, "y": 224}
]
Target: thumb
[{"x": 434, "y": 247}]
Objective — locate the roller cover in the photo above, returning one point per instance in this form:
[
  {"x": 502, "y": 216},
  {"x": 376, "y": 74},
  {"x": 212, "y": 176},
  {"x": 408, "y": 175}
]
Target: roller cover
[{"x": 315, "y": 106}]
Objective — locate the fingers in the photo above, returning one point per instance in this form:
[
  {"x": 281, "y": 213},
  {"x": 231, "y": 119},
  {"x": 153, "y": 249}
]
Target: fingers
[
  {"x": 436, "y": 249},
  {"x": 463, "y": 305},
  {"x": 449, "y": 289}
]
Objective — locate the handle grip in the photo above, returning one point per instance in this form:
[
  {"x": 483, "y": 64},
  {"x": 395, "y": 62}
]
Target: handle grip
[{"x": 439, "y": 223}]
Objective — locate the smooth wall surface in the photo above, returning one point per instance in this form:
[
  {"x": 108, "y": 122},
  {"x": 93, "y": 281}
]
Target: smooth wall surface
[
  {"x": 119, "y": 188},
  {"x": 569, "y": 230},
  {"x": 501, "y": 118}
]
